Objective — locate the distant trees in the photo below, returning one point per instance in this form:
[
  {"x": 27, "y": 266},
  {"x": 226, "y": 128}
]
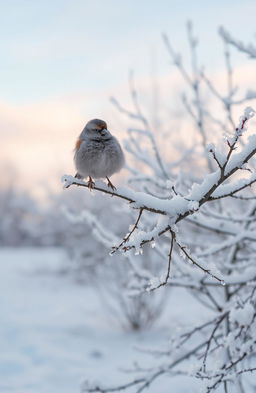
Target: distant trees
[{"x": 26, "y": 222}]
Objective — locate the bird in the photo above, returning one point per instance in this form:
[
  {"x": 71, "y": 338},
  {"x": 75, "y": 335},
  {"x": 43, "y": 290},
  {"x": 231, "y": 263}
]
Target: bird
[{"x": 98, "y": 153}]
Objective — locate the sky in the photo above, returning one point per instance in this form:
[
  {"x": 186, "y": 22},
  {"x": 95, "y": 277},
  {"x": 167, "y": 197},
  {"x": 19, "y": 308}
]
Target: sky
[{"x": 62, "y": 60}]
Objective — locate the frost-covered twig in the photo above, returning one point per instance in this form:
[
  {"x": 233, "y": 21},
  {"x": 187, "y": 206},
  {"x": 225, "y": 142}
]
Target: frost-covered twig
[
  {"x": 167, "y": 276},
  {"x": 194, "y": 262},
  {"x": 146, "y": 131},
  {"x": 98, "y": 389},
  {"x": 127, "y": 237},
  {"x": 249, "y": 49},
  {"x": 197, "y": 113}
]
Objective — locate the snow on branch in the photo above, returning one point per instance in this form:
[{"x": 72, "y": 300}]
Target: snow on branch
[{"x": 179, "y": 206}]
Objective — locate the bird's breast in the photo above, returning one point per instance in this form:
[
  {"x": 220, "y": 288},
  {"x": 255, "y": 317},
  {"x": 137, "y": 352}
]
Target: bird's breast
[{"x": 98, "y": 158}]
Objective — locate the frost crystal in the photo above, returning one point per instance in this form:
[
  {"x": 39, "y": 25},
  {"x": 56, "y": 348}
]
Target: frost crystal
[{"x": 193, "y": 205}]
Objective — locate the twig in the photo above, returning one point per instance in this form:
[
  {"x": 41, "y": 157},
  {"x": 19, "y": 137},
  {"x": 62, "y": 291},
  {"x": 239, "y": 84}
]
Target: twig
[
  {"x": 127, "y": 237},
  {"x": 163, "y": 283},
  {"x": 210, "y": 339},
  {"x": 98, "y": 389},
  {"x": 207, "y": 271}
]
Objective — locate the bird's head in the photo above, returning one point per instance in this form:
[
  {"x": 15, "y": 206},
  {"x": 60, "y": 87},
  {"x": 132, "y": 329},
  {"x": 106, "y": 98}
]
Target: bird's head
[{"x": 97, "y": 129}]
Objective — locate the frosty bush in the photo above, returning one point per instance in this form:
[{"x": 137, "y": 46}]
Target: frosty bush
[
  {"x": 88, "y": 248},
  {"x": 198, "y": 215},
  {"x": 132, "y": 313}
]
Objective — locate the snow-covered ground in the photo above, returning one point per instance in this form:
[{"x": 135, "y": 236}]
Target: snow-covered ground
[{"x": 54, "y": 333}]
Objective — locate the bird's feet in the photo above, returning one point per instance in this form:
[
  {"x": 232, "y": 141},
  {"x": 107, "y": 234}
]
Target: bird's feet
[
  {"x": 79, "y": 177},
  {"x": 110, "y": 184},
  {"x": 90, "y": 184}
]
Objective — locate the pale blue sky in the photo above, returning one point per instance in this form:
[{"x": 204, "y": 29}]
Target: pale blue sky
[{"x": 55, "y": 47}]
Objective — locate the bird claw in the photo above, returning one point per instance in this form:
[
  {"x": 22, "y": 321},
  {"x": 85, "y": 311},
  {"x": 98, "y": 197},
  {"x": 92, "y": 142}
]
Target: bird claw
[
  {"x": 79, "y": 177},
  {"x": 110, "y": 184},
  {"x": 90, "y": 184}
]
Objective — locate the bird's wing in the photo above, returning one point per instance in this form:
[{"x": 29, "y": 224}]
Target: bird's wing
[{"x": 78, "y": 144}]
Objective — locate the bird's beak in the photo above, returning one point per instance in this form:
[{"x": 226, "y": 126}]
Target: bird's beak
[{"x": 104, "y": 131}]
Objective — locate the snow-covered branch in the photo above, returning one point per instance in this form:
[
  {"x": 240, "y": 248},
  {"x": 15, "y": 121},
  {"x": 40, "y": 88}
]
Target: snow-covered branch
[{"x": 179, "y": 207}]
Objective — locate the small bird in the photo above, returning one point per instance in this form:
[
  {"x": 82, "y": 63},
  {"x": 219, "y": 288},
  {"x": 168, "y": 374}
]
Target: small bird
[{"x": 98, "y": 154}]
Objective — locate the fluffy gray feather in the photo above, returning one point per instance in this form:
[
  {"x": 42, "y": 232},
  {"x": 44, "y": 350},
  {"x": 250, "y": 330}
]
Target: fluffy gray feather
[{"x": 98, "y": 153}]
